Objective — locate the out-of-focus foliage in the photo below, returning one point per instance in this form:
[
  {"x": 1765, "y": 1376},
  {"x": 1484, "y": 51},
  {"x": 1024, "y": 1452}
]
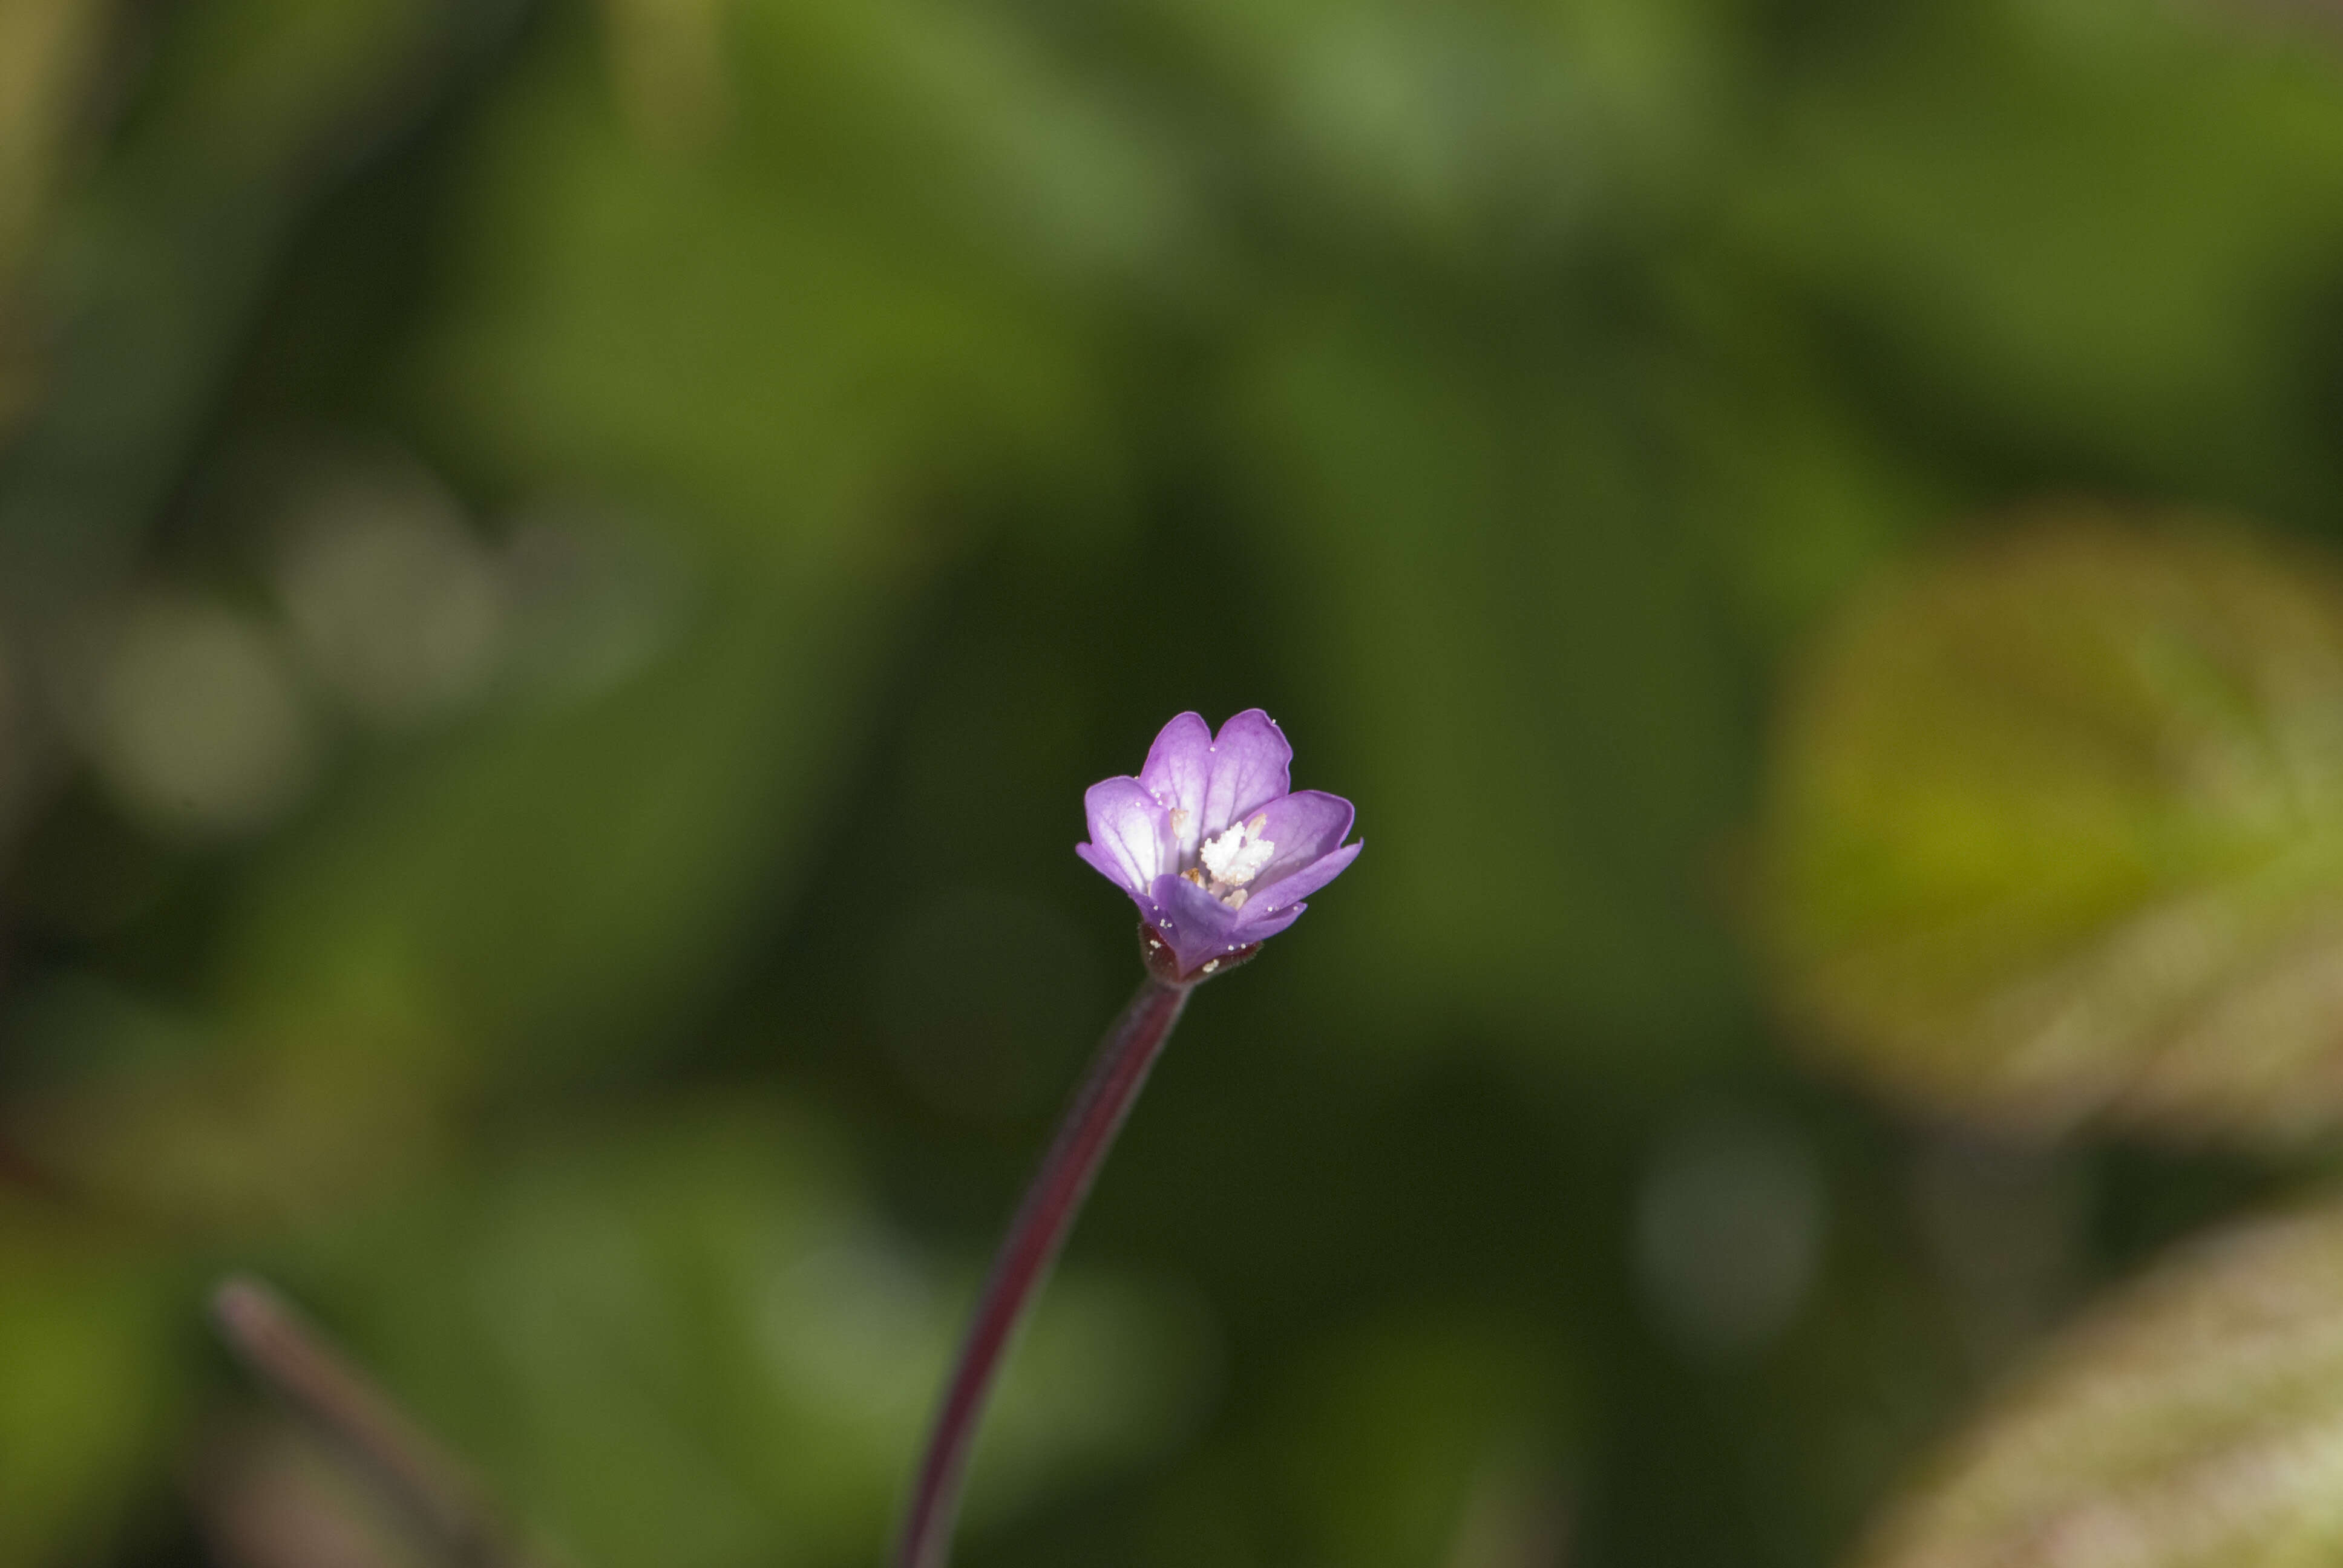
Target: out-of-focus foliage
[
  {"x": 46, "y": 50},
  {"x": 2054, "y": 829},
  {"x": 2190, "y": 1421},
  {"x": 683, "y": 1342},
  {"x": 88, "y": 1390},
  {"x": 564, "y": 566},
  {"x": 1487, "y": 1424}
]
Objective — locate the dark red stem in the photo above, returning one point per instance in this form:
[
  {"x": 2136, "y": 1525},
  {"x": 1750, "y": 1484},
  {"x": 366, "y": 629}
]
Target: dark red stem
[{"x": 1035, "y": 1237}]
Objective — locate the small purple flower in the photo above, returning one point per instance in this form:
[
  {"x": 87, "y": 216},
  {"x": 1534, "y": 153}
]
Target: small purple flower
[{"x": 1212, "y": 843}]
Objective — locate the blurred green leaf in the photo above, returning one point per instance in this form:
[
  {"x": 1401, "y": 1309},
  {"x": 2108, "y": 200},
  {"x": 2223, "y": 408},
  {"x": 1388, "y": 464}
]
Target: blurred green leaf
[
  {"x": 1476, "y": 132},
  {"x": 2055, "y": 830},
  {"x": 1439, "y": 1439},
  {"x": 2189, "y": 1423},
  {"x": 845, "y": 311},
  {"x": 522, "y": 903},
  {"x": 48, "y": 49},
  {"x": 2075, "y": 231},
  {"x": 89, "y": 1389},
  {"x": 1796, "y": 486},
  {"x": 159, "y": 253},
  {"x": 537, "y": 888},
  {"x": 268, "y": 89},
  {"x": 1497, "y": 601}
]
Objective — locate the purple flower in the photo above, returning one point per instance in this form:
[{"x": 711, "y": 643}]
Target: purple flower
[{"x": 1212, "y": 843}]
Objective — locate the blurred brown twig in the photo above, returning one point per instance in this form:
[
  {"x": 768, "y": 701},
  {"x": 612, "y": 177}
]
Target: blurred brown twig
[{"x": 362, "y": 1422}]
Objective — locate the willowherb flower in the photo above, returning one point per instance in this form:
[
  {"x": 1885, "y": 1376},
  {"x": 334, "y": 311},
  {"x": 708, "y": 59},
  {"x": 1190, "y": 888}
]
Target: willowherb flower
[
  {"x": 1213, "y": 843},
  {"x": 1217, "y": 852}
]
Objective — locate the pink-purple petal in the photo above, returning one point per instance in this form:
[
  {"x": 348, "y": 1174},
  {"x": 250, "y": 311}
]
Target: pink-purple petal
[
  {"x": 1255, "y": 924},
  {"x": 1303, "y": 826},
  {"x": 1303, "y": 880},
  {"x": 1180, "y": 763},
  {"x": 1179, "y": 767},
  {"x": 1129, "y": 832},
  {"x": 1198, "y": 926},
  {"x": 1106, "y": 865},
  {"x": 1250, "y": 768}
]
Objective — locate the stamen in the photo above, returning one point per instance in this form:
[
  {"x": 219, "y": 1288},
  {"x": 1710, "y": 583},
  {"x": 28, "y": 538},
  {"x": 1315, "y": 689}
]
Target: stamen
[{"x": 1237, "y": 856}]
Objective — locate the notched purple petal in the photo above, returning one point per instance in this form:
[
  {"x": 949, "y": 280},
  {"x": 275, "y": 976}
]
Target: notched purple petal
[
  {"x": 1304, "y": 826},
  {"x": 1179, "y": 767},
  {"x": 1303, "y": 880},
  {"x": 1251, "y": 766},
  {"x": 1106, "y": 865},
  {"x": 1129, "y": 833},
  {"x": 1180, "y": 762}
]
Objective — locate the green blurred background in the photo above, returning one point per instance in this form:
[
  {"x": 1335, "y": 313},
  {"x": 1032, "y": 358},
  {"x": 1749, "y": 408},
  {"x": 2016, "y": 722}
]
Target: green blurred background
[{"x": 564, "y": 568}]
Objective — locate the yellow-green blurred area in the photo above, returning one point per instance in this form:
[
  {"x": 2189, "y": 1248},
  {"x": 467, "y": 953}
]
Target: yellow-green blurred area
[{"x": 564, "y": 568}]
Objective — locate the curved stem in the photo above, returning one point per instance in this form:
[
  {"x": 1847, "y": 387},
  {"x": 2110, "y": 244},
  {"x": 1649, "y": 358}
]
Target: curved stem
[
  {"x": 344, "y": 1405},
  {"x": 1031, "y": 1246}
]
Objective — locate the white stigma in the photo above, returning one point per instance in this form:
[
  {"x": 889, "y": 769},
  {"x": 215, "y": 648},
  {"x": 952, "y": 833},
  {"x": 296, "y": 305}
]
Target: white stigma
[{"x": 1237, "y": 856}]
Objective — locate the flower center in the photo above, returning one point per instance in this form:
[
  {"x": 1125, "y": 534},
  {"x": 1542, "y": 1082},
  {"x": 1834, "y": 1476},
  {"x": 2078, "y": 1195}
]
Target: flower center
[{"x": 1231, "y": 860}]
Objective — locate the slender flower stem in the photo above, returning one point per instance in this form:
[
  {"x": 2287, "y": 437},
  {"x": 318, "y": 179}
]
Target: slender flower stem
[
  {"x": 1031, "y": 1246},
  {"x": 345, "y": 1406}
]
